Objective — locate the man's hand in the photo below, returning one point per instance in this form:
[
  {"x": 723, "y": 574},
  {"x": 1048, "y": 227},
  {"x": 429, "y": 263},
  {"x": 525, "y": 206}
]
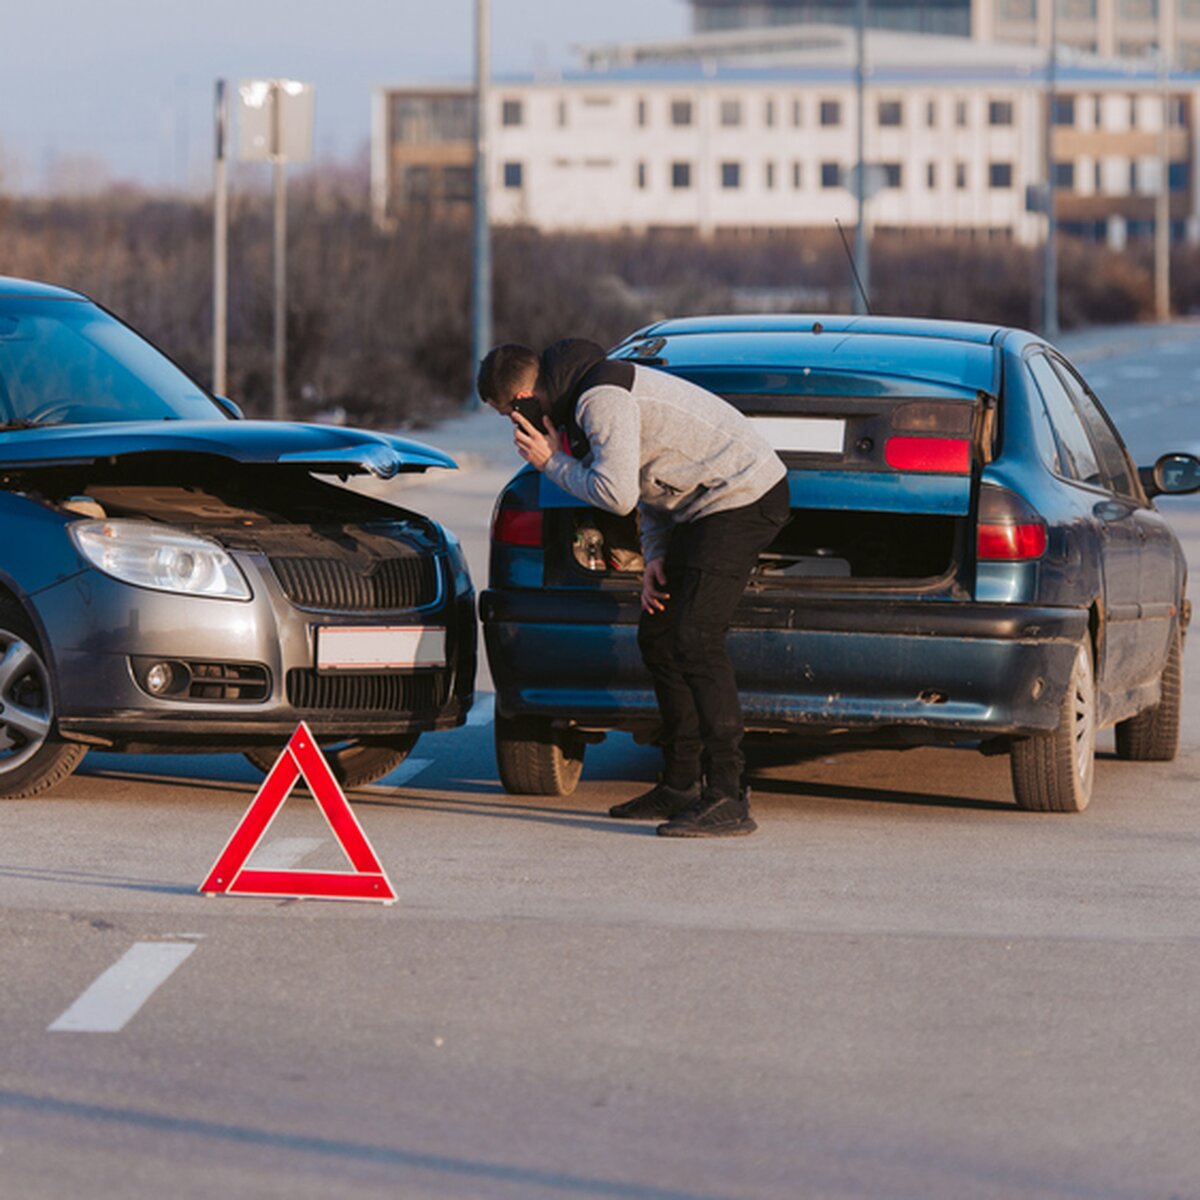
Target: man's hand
[
  {"x": 535, "y": 447},
  {"x": 654, "y": 586}
]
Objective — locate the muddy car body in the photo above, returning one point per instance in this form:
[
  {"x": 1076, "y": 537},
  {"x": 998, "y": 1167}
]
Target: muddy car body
[
  {"x": 971, "y": 558},
  {"x": 173, "y": 578}
]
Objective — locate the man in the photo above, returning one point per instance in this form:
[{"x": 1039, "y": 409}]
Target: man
[{"x": 711, "y": 494}]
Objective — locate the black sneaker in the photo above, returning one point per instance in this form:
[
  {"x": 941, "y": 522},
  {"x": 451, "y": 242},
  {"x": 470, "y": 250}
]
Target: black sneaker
[
  {"x": 713, "y": 815},
  {"x": 660, "y": 801}
]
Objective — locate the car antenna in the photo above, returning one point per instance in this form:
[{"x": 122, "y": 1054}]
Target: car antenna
[{"x": 853, "y": 268}]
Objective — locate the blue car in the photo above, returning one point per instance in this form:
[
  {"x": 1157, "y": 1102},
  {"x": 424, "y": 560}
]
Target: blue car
[
  {"x": 971, "y": 558},
  {"x": 175, "y": 578}
]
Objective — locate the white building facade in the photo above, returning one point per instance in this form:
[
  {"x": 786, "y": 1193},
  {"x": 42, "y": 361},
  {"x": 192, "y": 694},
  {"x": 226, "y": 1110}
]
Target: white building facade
[{"x": 717, "y": 149}]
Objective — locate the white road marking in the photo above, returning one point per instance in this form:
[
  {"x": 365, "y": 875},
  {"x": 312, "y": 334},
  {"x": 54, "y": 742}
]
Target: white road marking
[
  {"x": 1134, "y": 371},
  {"x": 281, "y": 854},
  {"x": 117, "y": 995},
  {"x": 483, "y": 711}
]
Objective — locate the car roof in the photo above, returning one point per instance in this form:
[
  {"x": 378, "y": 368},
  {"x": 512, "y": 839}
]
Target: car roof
[
  {"x": 954, "y": 354},
  {"x": 31, "y": 289},
  {"x": 917, "y": 327}
]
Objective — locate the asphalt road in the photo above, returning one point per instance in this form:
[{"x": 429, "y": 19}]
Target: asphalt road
[{"x": 901, "y": 987}]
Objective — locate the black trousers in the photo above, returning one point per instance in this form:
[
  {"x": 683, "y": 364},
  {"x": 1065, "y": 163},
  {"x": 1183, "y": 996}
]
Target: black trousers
[{"x": 708, "y": 565}]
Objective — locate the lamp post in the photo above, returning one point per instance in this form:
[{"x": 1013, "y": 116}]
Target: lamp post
[
  {"x": 1050, "y": 250},
  {"x": 220, "y": 239},
  {"x": 481, "y": 290},
  {"x": 862, "y": 254}
]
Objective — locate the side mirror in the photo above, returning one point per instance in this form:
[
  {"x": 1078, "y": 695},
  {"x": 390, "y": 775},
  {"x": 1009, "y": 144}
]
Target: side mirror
[
  {"x": 229, "y": 408},
  {"x": 1172, "y": 475}
]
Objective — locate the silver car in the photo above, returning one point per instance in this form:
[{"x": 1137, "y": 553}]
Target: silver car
[{"x": 175, "y": 578}]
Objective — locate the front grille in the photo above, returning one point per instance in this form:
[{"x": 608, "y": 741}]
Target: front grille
[
  {"x": 335, "y": 585},
  {"x": 227, "y": 681},
  {"x": 366, "y": 693}
]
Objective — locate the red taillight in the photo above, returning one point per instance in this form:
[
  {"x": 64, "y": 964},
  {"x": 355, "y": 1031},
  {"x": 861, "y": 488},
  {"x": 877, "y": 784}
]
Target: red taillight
[
  {"x": 1009, "y": 529},
  {"x": 518, "y": 527},
  {"x": 1011, "y": 541},
  {"x": 948, "y": 455}
]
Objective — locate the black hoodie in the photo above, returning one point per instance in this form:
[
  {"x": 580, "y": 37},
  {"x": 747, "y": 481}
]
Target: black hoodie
[{"x": 568, "y": 369}]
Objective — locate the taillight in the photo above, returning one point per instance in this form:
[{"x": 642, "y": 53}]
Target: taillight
[
  {"x": 950, "y": 456},
  {"x": 1009, "y": 528},
  {"x": 517, "y": 527}
]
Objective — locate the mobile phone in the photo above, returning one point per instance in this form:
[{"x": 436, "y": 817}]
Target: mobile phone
[{"x": 529, "y": 408}]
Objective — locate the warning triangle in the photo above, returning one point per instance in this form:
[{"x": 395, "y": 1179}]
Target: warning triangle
[{"x": 301, "y": 758}]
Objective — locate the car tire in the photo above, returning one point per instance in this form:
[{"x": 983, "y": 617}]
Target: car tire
[
  {"x": 535, "y": 759},
  {"x": 33, "y": 758},
  {"x": 1153, "y": 734},
  {"x": 1053, "y": 772},
  {"x": 354, "y": 762}
]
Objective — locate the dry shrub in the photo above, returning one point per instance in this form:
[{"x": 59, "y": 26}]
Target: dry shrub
[{"x": 379, "y": 322}]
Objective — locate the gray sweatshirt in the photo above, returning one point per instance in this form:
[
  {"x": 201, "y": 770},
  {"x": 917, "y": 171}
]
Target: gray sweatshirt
[{"x": 669, "y": 448}]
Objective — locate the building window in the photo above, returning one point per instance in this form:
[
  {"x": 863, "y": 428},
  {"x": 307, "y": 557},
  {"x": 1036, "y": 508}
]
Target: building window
[
  {"x": 769, "y": 114},
  {"x": 1000, "y": 112},
  {"x": 1177, "y": 176},
  {"x": 831, "y": 175},
  {"x": 831, "y": 112},
  {"x": 512, "y": 112},
  {"x": 731, "y": 175},
  {"x": 1064, "y": 176},
  {"x": 641, "y": 114},
  {"x": 960, "y": 113},
  {"x": 1133, "y": 121},
  {"x": 769, "y": 176},
  {"x": 1097, "y": 112},
  {"x": 798, "y": 112},
  {"x": 681, "y": 175},
  {"x": 458, "y": 184},
  {"x": 1097, "y": 177},
  {"x": 797, "y": 175},
  {"x": 514, "y": 175},
  {"x": 893, "y": 175},
  {"x": 1064, "y": 110},
  {"x": 641, "y": 176},
  {"x": 960, "y": 176},
  {"x": 1133, "y": 176},
  {"x": 681, "y": 112},
  {"x": 931, "y": 114},
  {"x": 1000, "y": 175},
  {"x": 931, "y": 175},
  {"x": 890, "y": 112},
  {"x": 562, "y": 114},
  {"x": 731, "y": 112}
]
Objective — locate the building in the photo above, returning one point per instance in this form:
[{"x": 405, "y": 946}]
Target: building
[
  {"x": 955, "y": 129},
  {"x": 950, "y": 17}
]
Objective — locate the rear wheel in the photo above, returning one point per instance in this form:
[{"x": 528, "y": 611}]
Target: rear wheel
[
  {"x": 535, "y": 759},
  {"x": 354, "y": 762},
  {"x": 1052, "y": 772},
  {"x": 1153, "y": 734},
  {"x": 32, "y": 757}
]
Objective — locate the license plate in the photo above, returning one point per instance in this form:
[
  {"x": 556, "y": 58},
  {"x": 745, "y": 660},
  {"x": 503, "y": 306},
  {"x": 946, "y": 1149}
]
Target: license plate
[
  {"x": 803, "y": 435},
  {"x": 380, "y": 647}
]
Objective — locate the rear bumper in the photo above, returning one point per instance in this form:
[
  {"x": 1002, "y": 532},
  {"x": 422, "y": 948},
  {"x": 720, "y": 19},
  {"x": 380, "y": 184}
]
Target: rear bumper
[{"x": 942, "y": 669}]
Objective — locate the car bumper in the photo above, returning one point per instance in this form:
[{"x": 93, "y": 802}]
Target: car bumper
[
  {"x": 96, "y": 627},
  {"x": 942, "y": 669}
]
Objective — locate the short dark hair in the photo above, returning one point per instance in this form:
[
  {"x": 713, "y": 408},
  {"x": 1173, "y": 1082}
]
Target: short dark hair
[{"x": 505, "y": 369}]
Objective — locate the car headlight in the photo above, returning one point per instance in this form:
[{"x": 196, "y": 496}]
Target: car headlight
[{"x": 153, "y": 556}]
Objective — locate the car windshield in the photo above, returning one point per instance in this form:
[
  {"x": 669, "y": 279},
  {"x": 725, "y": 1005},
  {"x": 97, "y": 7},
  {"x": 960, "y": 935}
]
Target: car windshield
[{"x": 66, "y": 362}]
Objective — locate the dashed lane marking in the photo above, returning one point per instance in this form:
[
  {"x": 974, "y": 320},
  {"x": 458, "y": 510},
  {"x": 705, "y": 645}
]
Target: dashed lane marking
[{"x": 114, "y": 999}]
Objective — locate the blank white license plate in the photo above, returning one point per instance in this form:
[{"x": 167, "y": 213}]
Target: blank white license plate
[
  {"x": 380, "y": 647},
  {"x": 808, "y": 435}
]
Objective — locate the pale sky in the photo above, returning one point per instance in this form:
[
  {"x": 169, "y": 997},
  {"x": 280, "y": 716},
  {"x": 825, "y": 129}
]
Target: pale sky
[{"x": 130, "y": 82}]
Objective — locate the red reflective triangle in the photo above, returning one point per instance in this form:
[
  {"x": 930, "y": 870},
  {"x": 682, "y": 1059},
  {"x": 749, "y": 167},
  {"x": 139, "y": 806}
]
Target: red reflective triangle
[{"x": 301, "y": 757}]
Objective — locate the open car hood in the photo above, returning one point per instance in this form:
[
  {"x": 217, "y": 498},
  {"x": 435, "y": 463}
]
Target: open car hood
[{"x": 323, "y": 449}]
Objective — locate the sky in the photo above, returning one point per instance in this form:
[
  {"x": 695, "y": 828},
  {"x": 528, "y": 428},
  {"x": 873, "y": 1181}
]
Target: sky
[{"x": 122, "y": 90}]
